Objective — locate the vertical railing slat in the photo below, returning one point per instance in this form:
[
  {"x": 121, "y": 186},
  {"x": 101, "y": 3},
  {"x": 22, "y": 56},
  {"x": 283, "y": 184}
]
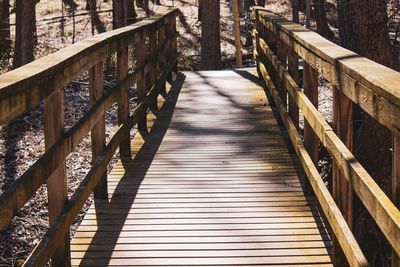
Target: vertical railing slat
[
  {"x": 57, "y": 184},
  {"x": 281, "y": 53},
  {"x": 310, "y": 138},
  {"x": 293, "y": 69},
  {"x": 153, "y": 71},
  {"x": 123, "y": 102},
  {"x": 395, "y": 262},
  {"x": 342, "y": 191},
  {"x": 162, "y": 59},
  {"x": 98, "y": 133},
  {"x": 141, "y": 79}
]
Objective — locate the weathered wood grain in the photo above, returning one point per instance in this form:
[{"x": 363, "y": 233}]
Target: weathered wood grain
[
  {"x": 57, "y": 183},
  {"x": 24, "y": 88},
  {"x": 98, "y": 132},
  {"x": 50, "y": 241},
  {"x": 167, "y": 207},
  {"x": 377, "y": 203},
  {"x": 336, "y": 220},
  {"x": 141, "y": 88},
  {"x": 374, "y": 88},
  {"x": 342, "y": 191},
  {"x": 293, "y": 69},
  {"x": 123, "y": 100}
]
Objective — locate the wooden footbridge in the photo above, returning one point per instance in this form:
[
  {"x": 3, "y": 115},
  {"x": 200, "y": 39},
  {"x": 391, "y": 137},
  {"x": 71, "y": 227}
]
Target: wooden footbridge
[{"x": 217, "y": 173}]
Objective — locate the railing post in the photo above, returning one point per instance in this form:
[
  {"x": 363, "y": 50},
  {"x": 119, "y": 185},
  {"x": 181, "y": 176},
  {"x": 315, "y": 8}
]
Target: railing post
[
  {"x": 310, "y": 138},
  {"x": 259, "y": 29},
  {"x": 98, "y": 133},
  {"x": 123, "y": 102},
  {"x": 162, "y": 60},
  {"x": 153, "y": 71},
  {"x": 342, "y": 191},
  {"x": 57, "y": 184},
  {"x": 141, "y": 80},
  {"x": 281, "y": 52},
  {"x": 396, "y": 186},
  {"x": 293, "y": 69},
  {"x": 172, "y": 51}
]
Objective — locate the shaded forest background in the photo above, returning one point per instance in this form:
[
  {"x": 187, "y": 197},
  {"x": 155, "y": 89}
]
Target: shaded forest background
[{"x": 56, "y": 24}]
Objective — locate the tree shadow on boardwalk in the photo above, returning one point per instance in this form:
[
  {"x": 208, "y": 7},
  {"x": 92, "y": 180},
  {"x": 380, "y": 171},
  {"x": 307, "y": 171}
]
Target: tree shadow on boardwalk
[
  {"x": 135, "y": 170},
  {"x": 317, "y": 212},
  {"x": 233, "y": 126}
]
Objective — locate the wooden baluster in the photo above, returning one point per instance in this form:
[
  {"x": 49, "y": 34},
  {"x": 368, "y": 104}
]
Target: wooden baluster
[
  {"x": 153, "y": 70},
  {"x": 310, "y": 138},
  {"x": 174, "y": 45},
  {"x": 396, "y": 186},
  {"x": 342, "y": 191},
  {"x": 259, "y": 28},
  {"x": 123, "y": 102},
  {"x": 162, "y": 59},
  {"x": 57, "y": 184},
  {"x": 281, "y": 51},
  {"x": 140, "y": 80},
  {"x": 271, "y": 39},
  {"x": 293, "y": 68},
  {"x": 98, "y": 133},
  {"x": 172, "y": 49}
]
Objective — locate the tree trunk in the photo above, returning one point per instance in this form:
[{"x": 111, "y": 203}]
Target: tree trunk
[
  {"x": 119, "y": 13},
  {"x": 199, "y": 10},
  {"x": 25, "y": 32},
  {"x": 5, "y": 41},
  {"x": 210, "y": 35},
  {"x": 132, "y": 15},
  {"x": 295, "y": 11},
  {"x": 363, "y": 29},
  {"x": 94, "y": 16},
  {"x": 320, "y": 17}
]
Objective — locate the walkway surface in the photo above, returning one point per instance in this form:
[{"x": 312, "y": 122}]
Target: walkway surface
[{"x": 212, "y": 185}]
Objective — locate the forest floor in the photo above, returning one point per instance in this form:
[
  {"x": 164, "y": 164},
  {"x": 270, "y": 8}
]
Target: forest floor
[{"x": 22, "y": 140}]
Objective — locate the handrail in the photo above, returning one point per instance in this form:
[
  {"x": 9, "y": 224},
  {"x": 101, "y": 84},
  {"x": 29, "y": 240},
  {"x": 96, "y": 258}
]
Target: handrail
[
  {"x": 373, "y": 88},
  {"x": 24, "y": 88},
  {"x": 43, "y": 79}
]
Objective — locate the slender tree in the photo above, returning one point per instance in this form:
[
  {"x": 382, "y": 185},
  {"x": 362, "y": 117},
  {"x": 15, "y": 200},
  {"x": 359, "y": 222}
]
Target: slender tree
[
  {"x": 210, "y": 35},
  {"x": 94, "y": 16},
  {"x": 363, "y": 29},
  {"x": 4, "y": 26},
  {"x": 25, "y": 32},
  {"x": 295, "y": 11},
  {"x": 131, "y": 13},
  {"x": 120, "y": 11},
  {"x": 321, "y": 20},
  {"x": 199, "y": 5}
]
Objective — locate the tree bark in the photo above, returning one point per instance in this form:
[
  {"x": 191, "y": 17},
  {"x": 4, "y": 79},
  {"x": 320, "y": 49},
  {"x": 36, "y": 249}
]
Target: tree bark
[
  {"x": 120, "y": 18},
  {"x": 210, "y": 35},
  {"x": 94, "y": 16},
  {"x": 25, "y": 32},
  {"x": 5, "y": 41},
  {"x": 199, "y": 10},
  {"x": 363, "y": 29},
  {"x": 132, "y": 15},
  {"x": 295, "y": 11},
  {"x": 320, "y": 18}
]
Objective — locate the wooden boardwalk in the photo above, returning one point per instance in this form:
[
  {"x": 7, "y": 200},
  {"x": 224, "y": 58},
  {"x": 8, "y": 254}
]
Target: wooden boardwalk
[{"x": 212, "y": 185}]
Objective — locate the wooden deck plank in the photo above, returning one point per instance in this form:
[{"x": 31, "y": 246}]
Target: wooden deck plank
[{"x": 212, "y": 184}]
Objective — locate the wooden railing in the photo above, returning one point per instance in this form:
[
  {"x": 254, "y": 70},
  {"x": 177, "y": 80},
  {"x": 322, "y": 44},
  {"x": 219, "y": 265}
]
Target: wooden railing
[
  {"x": 154, "y": 40},
  {"x": 373, "y": 87}
]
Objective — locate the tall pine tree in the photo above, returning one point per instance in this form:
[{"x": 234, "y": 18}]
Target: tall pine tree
[{"x": 210, "y": 35}]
